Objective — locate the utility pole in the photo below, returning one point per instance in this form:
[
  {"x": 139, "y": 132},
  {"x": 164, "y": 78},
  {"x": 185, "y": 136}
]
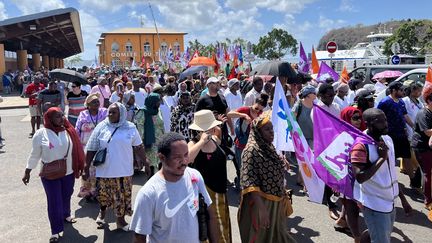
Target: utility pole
[{"x": 157, "y": 32}]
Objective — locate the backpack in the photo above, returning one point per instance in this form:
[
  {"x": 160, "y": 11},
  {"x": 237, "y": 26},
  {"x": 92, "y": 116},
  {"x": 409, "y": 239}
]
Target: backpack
[{"x": 242, "y": 131}]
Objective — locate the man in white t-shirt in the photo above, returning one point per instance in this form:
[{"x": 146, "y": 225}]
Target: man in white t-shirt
[
  {"x": 139, "y": 93},
  {"x": 233, "y": 96},
  {"x": 166, "y": 206},
  {"x": 252, "y": 95}
]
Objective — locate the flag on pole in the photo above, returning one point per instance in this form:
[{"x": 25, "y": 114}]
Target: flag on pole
[
  {"x": 326, "y": 72},
  {"x": 133, "y": 63},
  {"x": 303, "y": 65},
  {"x": 333, "y": 140},
  {"x": 315, "y": 65},
  {"x": 95, "y": 63},
  {"x": 196, "y": 54},
  {"x": 313, "y": 183},
  {"x": 428, "y": 80},
  {"x": 240, "y": 56},
  {"x": 113, "y": 64},
  {"x": 226, "y": 55},
  {"x": 216, "y": 68},
  {"x": 281, "y": 125},
  {"x": 344, "y": 75}
]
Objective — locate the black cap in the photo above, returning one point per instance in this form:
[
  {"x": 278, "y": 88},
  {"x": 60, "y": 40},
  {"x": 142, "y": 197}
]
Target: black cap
[{"x": 364, "y": 93}]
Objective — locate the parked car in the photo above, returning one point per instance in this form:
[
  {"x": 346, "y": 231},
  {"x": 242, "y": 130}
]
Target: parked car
[
  {"x": 367, "y": 72},
  {"x": 417, "y": 75}
]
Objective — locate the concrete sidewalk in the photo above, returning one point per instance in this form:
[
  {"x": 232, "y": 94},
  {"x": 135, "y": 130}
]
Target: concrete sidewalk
[{"x": 13, "y": 101}]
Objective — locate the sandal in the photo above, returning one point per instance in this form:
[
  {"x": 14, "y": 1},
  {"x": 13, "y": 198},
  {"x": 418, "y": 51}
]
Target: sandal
[
  {"x": 31, "y": 135},
  {"x": 54, "y": 238},
  {"x": 70, "y": 220},
  {"x": 100, "y": 222},
  {"x": 124, "y": 228}
]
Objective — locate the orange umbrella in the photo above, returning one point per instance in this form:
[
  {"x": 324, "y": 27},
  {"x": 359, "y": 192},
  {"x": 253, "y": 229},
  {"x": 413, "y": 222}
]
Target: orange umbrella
[{"x": 204, "y": 61}]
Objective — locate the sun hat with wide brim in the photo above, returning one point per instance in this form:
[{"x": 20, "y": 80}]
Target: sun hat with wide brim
[{"x": 204, "y": 120}]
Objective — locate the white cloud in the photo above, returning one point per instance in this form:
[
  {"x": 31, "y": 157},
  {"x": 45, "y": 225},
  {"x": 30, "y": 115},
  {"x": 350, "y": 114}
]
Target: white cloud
[
  {"x": 298, "y": 30},
  {"x": 3, "y": 14},
  {"x": 91, "y": 31},
  {"x": 30, "y": 6},
  {"x": 327, "y": 24},
  {"x": 347, "y": 6},
  {"x": 283, "y": 6},
  {"x": 141, "y": 18},
  {"x": 109, "y": 5}
]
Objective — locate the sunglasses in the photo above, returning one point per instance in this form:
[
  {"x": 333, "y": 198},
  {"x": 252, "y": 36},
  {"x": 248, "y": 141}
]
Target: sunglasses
[
  {"x": 257, "y": 109},
  {"x": 355, "y": 118}
]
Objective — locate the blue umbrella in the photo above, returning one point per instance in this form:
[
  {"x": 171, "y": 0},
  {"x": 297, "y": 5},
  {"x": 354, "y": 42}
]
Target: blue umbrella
[{"x": 191, "y": 71}]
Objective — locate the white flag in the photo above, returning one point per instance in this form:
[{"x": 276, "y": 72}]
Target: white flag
[{"x": 304, "y": 155}]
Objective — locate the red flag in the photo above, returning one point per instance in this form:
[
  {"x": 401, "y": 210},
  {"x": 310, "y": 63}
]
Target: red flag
[
  {"x": 235, "y": 62},
  {"x": 315, "y": 65},
  {"x": 142, "y": 61},
  {"x": 232, "y": 74},
  {"x": 226, "y": 55},
  {"x": 216, "y": 68},
  {"x": 196, "y": 54},
  {"x": 344, "y": 75}
]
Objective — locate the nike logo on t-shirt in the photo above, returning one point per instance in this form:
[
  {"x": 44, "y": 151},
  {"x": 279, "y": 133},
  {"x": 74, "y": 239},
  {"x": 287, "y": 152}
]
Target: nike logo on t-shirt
[{"x": 169, "y": 213}]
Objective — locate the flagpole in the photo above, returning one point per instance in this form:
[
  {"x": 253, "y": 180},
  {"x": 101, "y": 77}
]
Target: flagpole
[{"x": 157, "y": 31}]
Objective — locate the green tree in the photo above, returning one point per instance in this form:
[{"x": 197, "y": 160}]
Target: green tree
[
  {"x": 275, "y": 45},
  {"x": 73, "y": 60},
  {"x": 406, "y": 36}
]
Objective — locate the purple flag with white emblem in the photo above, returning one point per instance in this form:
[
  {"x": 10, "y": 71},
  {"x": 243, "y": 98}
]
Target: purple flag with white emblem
[
  {"x": 326, "y": 72},
  {"x": 303, "y": 65},
  {"x": 333, "y": 140}
]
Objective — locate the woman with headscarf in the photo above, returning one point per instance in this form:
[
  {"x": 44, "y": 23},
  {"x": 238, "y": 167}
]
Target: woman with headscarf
[
  {"x": 114, "y": 176},
  {"x": 129, "y": 102},
  {"x": 348, "y": 218},
  {"x": 87, "y": 121},
  {"x": 56, "y": 141},
  {"x": 210, "y": 160},
  {"x": 151, "y": 110},
  {"x": 264, "y": 204}
]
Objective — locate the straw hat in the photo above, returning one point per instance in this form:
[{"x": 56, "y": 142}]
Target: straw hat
[{"x": 204, "y": 120}]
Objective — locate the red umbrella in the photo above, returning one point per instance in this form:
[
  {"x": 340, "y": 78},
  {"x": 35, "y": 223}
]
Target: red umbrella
[{"x": 204, "y": 61}]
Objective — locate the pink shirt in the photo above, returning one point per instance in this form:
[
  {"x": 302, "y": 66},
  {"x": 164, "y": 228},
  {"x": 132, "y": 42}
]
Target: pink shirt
[{"x": 104, "y": 92}]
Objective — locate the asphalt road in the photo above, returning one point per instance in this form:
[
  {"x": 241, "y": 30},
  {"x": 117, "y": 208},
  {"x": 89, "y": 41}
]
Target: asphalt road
[{"x": 24, "y": 217}]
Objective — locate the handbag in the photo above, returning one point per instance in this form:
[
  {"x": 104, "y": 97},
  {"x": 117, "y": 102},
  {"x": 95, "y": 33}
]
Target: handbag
[
  {"x": 100, "y": 156},
  {"x": 55, "y": 169},
  {"x": 106, "y": 102},
  {"x": 203, "y": 218}
]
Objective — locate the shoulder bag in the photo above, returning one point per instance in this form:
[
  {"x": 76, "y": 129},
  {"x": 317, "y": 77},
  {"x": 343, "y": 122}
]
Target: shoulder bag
[
  {"x": 100, "y": 156},
  {"x": 55, "y": 169},
  {"x": 106, "y": 102}
]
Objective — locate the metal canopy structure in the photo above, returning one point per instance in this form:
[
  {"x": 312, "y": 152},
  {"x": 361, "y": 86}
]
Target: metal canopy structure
[{"x": 56, "y": 33}]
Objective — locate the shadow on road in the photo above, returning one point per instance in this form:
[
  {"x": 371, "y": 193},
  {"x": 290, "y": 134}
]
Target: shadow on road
[
  {"x": 72, "y": 235},
  {"x": 399, "y": 232},
  {"x": 301, "y": 234},
  {"x": 416, "y": 218}
]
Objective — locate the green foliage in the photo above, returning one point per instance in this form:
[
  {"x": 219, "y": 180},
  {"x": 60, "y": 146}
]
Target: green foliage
[
  {"x": 208, "y": 50},
  {"x": 407, "y": 38},
  {"x": 73, "y": 60},
  {"x": 275, "y": 45}
]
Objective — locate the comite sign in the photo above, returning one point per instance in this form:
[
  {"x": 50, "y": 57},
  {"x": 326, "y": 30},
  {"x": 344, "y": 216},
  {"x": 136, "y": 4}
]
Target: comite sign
[{"x": 129, "y": 54}]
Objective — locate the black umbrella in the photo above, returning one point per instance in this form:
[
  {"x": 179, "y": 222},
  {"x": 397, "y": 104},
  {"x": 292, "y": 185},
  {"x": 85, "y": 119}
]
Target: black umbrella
[
  {"x": 68, "y": 75},
  {"x": 191, "y": 71},
  {"x": 277, "y": 68}
]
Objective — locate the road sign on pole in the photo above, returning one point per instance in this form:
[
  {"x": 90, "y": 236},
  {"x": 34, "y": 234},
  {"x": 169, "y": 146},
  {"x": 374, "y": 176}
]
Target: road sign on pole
[
  {"x": 395, "y": 60},
  {"x": 331, "y": 47},
  {"x": 395, "y": 48}
]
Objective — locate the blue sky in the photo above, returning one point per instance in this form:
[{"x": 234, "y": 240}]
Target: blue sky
[{"x": 211, "y": 20}]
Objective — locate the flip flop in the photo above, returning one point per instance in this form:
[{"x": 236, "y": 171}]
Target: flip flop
[
  {"x": 70, "y": 220},
  {"x": 100, "y": 222},
  {"x": 124, "y": 228}
]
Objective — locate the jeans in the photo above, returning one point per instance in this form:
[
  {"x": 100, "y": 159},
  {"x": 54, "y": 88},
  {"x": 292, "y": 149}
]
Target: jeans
[{"x": 380, "y": 225}]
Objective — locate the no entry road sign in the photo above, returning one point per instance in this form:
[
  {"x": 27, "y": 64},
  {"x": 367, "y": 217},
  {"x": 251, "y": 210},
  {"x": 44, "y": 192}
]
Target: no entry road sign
[{"x": 331, "y": 46}]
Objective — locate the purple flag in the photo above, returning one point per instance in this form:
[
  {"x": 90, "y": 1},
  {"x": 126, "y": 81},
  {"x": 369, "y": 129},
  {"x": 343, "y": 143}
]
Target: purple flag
[
  {"x": 326, "y": 72},
  {"x": 303, "y": 65},
  {"x": 333, "y": 140}
]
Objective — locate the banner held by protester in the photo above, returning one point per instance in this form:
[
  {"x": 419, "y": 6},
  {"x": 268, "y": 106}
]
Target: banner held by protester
[{"x": 304, "y": 155}]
